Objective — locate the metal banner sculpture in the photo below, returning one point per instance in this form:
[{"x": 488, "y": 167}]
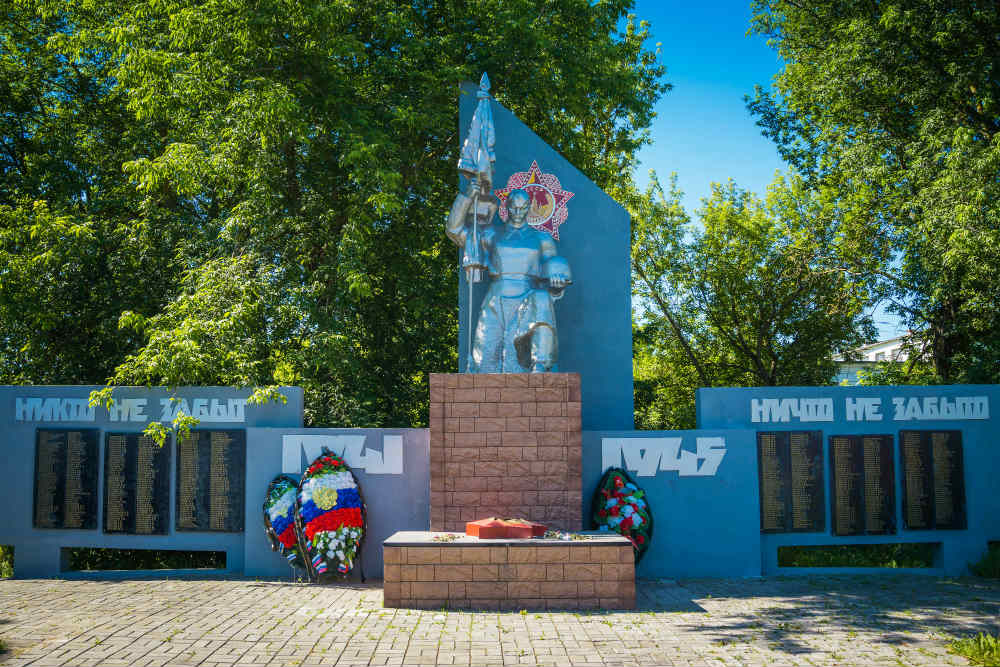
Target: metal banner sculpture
[{"x": 516, "y": 331}]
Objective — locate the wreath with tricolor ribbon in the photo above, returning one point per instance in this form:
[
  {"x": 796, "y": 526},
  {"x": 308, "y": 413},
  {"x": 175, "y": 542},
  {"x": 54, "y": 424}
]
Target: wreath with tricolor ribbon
[
  {"x": 279, "y": 519},
  {"x": 330, "y": 516}
]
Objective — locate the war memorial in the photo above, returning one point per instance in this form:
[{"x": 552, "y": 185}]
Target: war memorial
[{"x": 537, "y": 414}]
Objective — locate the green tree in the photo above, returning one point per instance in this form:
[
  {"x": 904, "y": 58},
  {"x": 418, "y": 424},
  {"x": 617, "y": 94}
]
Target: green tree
[
  {"x": 893, "y": 108},
  {"x": 74, "y": 251},
  {"x": 744, "y": 298},
  {"x": 308, "y": 150}
]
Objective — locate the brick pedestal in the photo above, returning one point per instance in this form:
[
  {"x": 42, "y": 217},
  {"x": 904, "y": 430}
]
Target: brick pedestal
[
  {"x": 469, "y": 573},
  {"x": 505, "y": 445}
]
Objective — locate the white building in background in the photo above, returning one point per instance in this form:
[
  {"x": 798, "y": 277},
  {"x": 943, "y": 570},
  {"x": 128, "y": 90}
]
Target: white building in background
[{"x": 867, "y": 356}]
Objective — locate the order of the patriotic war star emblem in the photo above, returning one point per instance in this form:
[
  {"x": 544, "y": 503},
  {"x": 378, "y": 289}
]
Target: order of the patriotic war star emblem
[{"x": 548, "y": 199}]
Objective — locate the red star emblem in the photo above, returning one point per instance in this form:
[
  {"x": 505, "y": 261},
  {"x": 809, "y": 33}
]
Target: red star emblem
[{"x": 548, "y": 199}]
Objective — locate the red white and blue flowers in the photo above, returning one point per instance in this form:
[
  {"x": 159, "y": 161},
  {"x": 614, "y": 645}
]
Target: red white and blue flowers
[
  {"x": 331, "y": 515},
  {"x": 279, "y": 517}
]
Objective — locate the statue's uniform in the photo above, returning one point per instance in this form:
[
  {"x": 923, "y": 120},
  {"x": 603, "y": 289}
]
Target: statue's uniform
[
  {"x": 517, "y": 321},
  {"x": 516, "y": 331}
]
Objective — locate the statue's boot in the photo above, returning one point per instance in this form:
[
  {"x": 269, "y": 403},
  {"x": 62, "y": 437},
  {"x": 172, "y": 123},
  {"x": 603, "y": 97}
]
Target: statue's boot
[{"x": 543, "y": 349}]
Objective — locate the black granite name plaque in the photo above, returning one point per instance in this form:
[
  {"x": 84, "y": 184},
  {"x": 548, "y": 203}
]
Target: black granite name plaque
[
  {"x": 880, "y": 484},
  {"x": 211, "y": 480},
  {"x": 66, "y": 478},
  {"x": 862, "y": 485},
  {"x": 934, "y": 480},
  {"x": 790, "y": 478},
  {"x": 136, "y": 484}
]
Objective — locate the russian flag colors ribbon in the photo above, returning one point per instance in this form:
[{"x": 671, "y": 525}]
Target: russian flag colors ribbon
[
  {"x": 322, "y": 516},
  {"x": 279, "y": 518}
]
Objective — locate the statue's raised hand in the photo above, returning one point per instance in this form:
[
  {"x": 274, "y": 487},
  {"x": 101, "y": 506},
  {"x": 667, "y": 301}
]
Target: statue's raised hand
[{"x": 475, "y": 187}]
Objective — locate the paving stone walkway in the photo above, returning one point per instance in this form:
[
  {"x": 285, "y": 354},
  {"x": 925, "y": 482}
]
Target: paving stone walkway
[{"x": 886, "y": 620}]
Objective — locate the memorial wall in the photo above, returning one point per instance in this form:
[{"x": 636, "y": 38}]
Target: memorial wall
[
  {"x": 768, "y": 467},
  {"x": 903, "y": 464},
  {"x": 82, "y": 476},
  {"x": 77, "y": 476}
]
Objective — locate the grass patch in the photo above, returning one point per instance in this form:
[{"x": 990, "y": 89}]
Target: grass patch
[
  {"x": 87, "y": 558},
  {"x": 6, "y": 561},
  {"x": 989, "y": 565},
  {"x": 980, "y": 650},
  {"x": 859, "y": 555}
]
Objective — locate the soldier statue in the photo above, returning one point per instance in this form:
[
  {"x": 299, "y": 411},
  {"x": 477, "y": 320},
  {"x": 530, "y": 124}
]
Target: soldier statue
[{"x": 516, "y": 331}]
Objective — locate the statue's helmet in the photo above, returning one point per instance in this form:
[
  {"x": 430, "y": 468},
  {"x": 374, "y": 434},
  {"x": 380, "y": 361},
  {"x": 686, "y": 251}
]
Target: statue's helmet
[{"x": 519, "y": 195}]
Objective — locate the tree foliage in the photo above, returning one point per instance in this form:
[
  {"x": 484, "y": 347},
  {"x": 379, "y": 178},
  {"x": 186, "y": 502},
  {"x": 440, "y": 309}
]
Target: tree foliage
[
  {"x": 744, "y": 298},
  {"x": 74, "y": 251},
  {"x": 252, "y": 194},
  {"x": 893, "y": 109}
]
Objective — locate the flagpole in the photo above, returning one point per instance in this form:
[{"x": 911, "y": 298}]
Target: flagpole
[
  {"x": 476, "y": 162},
  {"x": 468, "y": 275}
]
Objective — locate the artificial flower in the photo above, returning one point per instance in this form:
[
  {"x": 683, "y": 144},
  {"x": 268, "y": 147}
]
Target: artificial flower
[
  {"x": 329, "y": 505},
  {"x": 619, "y": 506}
]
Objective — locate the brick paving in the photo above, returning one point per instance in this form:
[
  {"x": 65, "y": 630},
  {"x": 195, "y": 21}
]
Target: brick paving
[{"x": 887, "y": 620}]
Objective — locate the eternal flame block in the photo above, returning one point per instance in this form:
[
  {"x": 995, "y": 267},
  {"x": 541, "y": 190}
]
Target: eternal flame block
[{"x": 424, "y": 571}]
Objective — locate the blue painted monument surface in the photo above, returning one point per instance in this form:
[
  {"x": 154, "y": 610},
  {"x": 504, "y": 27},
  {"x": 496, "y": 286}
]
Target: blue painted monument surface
[
  {"x": 767, "y": 468},
  {"x": 771, "y": 467},
  {"x": 900, "y": 464},
  {"x": 392, "y": 467},
  {"x": 702, "y": 487},
  {"x": 71, "y": 474},
  {"x": 594, "y": 316}
]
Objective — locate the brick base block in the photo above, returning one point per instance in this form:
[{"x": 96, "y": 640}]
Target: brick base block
[
  {"x": 508, "y": 574},
  {"x": 506, "y": 445}
]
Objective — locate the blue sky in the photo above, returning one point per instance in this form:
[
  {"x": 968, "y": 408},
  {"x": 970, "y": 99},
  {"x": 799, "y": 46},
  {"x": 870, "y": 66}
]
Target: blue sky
[{"x": 703, "y": 130}]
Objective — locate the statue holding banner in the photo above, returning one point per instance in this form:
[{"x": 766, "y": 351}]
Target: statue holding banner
[{"x": 516, "y": 331}]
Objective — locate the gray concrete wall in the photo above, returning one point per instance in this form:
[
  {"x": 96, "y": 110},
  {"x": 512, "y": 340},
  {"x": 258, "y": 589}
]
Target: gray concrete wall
[
  {"x": 37, "y": 551},
  {"x": 392, "y": 467}
]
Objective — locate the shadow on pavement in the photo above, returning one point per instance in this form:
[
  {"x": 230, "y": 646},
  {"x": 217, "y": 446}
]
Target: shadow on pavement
[{"x": 785, "y": 611}]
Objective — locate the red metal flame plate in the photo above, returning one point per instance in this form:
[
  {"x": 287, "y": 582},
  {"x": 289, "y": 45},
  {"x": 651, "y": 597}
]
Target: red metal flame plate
[{"x": 493, "y": 528}]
